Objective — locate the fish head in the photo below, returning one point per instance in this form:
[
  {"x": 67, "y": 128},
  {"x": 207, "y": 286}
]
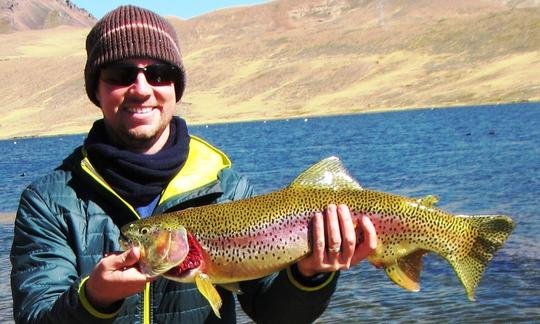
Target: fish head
[{"x": 161, "y": 247}]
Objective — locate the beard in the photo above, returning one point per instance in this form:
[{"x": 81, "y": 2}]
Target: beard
[{"x": 141, "y": 138}]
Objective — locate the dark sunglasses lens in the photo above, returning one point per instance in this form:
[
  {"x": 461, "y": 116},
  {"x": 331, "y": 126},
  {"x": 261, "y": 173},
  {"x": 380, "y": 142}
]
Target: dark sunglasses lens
[
  {"x": 160, "y": 74},
  {"x": 124, "y": 74},
  {"x": 119, "y": 74}
]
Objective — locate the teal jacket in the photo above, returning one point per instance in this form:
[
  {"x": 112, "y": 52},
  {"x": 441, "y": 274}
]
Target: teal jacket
[{"x": 67, "y": 221}]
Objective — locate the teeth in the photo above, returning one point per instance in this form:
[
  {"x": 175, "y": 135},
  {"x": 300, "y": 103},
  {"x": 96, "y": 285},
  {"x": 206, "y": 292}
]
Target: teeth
[{"x": 139, "y": 110}]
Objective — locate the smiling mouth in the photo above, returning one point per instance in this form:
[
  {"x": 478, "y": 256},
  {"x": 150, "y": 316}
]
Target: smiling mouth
[{"x": 139, "y": 110}]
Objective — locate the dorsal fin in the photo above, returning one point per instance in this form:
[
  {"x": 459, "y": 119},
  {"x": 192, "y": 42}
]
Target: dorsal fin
[{"x": 327, "y": 173}]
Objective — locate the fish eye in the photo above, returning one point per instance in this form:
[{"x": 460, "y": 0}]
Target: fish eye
[{"x": 144, "y": 230}]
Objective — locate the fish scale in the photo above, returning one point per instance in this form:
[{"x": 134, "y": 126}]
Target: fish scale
[{"x": 255, "y": 237}]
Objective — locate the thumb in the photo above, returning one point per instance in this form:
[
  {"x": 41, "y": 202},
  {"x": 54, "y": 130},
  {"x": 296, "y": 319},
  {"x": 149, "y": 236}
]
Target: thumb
[
  {"x": 125, "y": 259},
  {"x": 132, "y": 256}
]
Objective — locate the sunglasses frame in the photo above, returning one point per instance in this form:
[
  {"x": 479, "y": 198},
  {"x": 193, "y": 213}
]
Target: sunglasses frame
[{"x": 125, "y": 74}]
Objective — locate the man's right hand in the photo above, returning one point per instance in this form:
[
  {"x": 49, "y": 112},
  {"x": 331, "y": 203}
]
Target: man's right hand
[{"x": 114, "y": 278}]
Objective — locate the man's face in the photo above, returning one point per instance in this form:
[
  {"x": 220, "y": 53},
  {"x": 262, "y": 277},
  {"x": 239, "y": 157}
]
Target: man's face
[{"x": 137, "y": 115}]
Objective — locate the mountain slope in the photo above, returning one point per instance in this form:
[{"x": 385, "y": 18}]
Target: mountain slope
[
  {"x": 295, "y": 58},
  {"x": 17, "y": 15}
]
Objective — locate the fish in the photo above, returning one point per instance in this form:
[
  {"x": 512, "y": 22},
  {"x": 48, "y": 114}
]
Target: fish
[{"x": 223, "y": 244}]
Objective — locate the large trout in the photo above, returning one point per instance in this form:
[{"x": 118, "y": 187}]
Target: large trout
[{"x": 252, "y": 238}]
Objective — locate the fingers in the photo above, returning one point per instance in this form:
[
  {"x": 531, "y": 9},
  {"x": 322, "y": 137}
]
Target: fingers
[
  {"x": 319, "y": 244},
  {"x": 333, "y": 239},
  {"x": 132, "y": 257},
  {"x": 333, "y": 231},
  {"x": 348, "y": 234},
  {"x": 335, "y": 243},
  {"x": 341, "y": 234},
  {"x": 313, "y": 263},
  {"x": 114, "y": 278},
  {"x": 123, "y": 260},
  {"x": 369, "y": 244},
  {"x": 122, "y": 266}
]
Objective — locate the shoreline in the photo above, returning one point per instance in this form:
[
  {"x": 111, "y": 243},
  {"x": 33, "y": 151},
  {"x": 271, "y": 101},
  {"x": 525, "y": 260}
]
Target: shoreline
[
  {"x": 255, "y": 119},
  {"x": 7, "y": 218}
]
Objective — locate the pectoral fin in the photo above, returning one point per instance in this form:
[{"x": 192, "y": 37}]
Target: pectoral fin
[
  {"x": 405, "y": 272},
  {"x": 207, "y": 289}
]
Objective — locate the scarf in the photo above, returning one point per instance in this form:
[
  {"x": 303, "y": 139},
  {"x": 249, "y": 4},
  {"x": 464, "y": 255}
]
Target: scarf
[{"x": 138, "y": 178}]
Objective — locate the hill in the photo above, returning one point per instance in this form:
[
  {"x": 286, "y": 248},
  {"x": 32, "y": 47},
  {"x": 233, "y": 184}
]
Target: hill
[
  {"x": 16, "y": 15},
  {"x": 293, "y": 58}
]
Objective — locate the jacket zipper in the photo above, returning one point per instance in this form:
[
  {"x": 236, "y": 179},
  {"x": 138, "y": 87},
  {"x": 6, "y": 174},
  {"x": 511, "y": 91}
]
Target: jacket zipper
[{"x": 89, "y": 169}]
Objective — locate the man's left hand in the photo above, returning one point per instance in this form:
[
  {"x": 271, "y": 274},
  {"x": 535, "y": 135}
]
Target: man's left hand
[{"x": 334, "y": 241}]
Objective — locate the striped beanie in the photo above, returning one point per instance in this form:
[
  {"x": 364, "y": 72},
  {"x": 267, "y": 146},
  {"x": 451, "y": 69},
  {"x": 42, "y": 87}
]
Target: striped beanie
[{"x": 131, "y": 32}]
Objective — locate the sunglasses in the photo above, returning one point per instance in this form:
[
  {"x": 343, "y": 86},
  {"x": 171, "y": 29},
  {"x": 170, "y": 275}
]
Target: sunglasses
[{"x": 125, "y": 74}]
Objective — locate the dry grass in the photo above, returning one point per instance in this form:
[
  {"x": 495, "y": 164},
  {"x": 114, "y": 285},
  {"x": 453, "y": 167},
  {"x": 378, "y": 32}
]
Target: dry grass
[{"x": 298, "y": 58}]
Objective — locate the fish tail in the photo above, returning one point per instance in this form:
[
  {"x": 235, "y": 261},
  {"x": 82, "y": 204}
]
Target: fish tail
[{"x": 491, "y": 231}]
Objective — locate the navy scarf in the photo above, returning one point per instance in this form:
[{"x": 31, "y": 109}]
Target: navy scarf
[{"x": 136, "y": 177}]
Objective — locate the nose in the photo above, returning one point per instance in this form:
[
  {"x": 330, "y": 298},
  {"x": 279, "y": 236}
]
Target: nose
[{"x": 140, "y": 86}]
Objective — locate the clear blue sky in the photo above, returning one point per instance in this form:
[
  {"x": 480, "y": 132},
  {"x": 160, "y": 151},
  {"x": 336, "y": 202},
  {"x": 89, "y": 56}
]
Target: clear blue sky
[{"x": 179, "y": 8}]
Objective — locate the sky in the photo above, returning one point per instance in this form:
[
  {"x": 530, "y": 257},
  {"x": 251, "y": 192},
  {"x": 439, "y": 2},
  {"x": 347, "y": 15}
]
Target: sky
[{"x": 178, "y": 8}]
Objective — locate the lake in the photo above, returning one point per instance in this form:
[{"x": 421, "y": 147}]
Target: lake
[{"x": 478, "y": 160}]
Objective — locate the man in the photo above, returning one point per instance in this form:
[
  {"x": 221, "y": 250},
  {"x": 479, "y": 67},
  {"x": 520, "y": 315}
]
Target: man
[{"x": 137, "y": 161}]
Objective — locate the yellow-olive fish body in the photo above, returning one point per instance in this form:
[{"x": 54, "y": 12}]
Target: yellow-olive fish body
[{"x": 252, "y": 238}]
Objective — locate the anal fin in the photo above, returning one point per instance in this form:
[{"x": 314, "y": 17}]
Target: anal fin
[{"x": 405, "y": 272}]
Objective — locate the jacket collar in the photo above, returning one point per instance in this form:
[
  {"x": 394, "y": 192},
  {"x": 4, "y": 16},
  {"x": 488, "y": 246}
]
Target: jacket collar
[
  {"x": 198, "y": 177},
  {"x": 201, "y": 168}
]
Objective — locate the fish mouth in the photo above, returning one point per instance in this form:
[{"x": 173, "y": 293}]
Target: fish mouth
[
  {"x": 126, "y": 243},
  {"x": 160, "y": 250}
]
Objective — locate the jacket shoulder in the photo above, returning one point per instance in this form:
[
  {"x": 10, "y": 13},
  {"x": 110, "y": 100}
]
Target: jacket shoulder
[
  {"x": 58, "y": 190},
  {"x": 234, "y": 185},
  {"x": 57, "y": 181}
]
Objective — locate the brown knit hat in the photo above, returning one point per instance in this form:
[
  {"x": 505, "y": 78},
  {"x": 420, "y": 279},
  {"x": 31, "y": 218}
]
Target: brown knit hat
[{"x": 131, "y": 32}]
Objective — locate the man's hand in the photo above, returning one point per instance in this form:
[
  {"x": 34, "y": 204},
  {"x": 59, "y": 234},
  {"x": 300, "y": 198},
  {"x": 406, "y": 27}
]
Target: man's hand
[
  {"x": 114, "y": 278},
  {"x": 335, "y": 245}
]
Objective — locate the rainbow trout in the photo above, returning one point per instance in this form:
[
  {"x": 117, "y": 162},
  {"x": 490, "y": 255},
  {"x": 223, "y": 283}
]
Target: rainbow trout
[{"x": 251, "y": 238}]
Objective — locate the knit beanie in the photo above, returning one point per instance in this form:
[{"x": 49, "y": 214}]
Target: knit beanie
[{"x": 131, "y": 32}]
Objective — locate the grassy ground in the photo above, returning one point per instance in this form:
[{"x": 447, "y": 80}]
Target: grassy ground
[{"x": 271, "y": 61}]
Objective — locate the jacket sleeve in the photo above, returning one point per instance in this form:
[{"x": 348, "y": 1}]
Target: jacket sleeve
[
  {"x": 281, "y": 297},
  {"x": 44, "y": 280}
]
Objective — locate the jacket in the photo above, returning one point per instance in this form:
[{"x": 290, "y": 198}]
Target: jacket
[{"x": 67, "y": 220}]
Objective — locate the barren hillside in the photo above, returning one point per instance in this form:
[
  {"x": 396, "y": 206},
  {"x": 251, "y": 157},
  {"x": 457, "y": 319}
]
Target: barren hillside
[
  {"x": 294, "y": 58},
  {"x": 16, "y": 15}
]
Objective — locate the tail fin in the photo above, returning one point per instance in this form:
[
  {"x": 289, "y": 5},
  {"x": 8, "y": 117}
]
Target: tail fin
[{"x": 492, "y": 231}]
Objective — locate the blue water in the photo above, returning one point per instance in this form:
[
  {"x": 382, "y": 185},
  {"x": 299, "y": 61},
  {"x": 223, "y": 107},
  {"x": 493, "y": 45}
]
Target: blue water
[{"x": 478, "y": 160}]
